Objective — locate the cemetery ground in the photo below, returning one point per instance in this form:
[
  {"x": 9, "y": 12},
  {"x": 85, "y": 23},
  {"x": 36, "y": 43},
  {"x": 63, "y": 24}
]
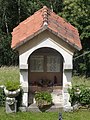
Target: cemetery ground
[
  {"x": 77, "y": 115},
  {"x": 13, "y": 72}
]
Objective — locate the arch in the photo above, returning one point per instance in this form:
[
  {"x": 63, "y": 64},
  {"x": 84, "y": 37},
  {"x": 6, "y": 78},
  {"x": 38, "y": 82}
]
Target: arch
[
  {"x": 46, "y": 43},
  {"x": 54, "y": 76},
  {"x": 45, "y": 47}
]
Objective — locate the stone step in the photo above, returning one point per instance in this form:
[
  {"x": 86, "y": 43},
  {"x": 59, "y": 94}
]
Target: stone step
[
  {"x": 53, "y": 108},
  {"x": 33, "y": 108}
]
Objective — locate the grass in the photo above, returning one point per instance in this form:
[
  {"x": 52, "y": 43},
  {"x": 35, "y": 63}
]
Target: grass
[
  {"x": 78, "y": 115},
  {"x": 81, "y": 80},
  {"x": 9, "y": 73},
  {"x": 28, "y": 116},
  {"x": 12, "y": 73}
]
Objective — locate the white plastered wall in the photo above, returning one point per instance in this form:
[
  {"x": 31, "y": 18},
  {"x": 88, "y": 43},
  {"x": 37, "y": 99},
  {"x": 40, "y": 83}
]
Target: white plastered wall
[{"x": 51, "y": 43}]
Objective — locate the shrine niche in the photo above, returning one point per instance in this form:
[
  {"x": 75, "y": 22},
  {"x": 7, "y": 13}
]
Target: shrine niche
[
  {"x": 46, "y": 44},
  {"x": 45, "y": 67}
]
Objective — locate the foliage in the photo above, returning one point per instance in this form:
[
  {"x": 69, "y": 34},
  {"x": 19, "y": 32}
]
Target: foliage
[
  {"x": 78, "y": 14},
  {"x": 73, "y": 96},
  {"x": 7, "y": 55},
  {"x": 79, "y": 94},
  {"x": 43, "y": 98},
  {"x": 2, "y": 97},
  {"x": 9, "y": 76},
  {"x": 80, "y": 80},
  {"x": 12, "y": 12},
  {"x": 85, "y": 96},
  {"x": 82, "y": 84},
  {"x": 12, "y": 85}
]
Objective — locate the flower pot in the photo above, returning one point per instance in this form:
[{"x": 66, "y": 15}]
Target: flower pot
[
  {"x": 42, "y": 103},
  {"x": 11, "y": 94}
]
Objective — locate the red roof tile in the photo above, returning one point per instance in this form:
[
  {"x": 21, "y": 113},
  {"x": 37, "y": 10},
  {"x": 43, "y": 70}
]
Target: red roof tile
[{"x": 41, "y": 20}]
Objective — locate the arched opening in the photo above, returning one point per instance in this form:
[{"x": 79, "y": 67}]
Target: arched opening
[{"x": 45, "y": 71}]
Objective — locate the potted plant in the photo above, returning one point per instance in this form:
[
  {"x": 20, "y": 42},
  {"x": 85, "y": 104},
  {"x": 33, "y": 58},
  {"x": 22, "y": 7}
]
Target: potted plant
[
  {"x": 43, "y": 99},
  {"x": 12, "y": 88}
]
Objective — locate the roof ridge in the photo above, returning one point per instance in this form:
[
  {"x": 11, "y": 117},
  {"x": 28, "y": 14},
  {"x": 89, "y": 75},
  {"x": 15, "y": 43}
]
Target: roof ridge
[{"x": 45, "y": 16}]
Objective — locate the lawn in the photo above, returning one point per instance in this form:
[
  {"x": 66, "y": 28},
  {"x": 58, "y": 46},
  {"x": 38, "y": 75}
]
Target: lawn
[
  {"x": 79, "y": 115},
  {"x": 9, "y": 73},
  {"x": 13, "y": 73}
]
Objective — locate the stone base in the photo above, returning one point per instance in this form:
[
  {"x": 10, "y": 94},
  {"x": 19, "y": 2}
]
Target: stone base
[
  {"x": 67, "y": 109},
  {"x": 53, "y": 108},
  {"x": 23, "y": 109},
  {"x": 12, "y": 107}
]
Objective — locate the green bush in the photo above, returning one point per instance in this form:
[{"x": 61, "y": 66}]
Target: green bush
[
  {"x": 74, "y": 96},
  {"x": 80, "y": 94},
  {"x": 85, "y": 96},
  {"x": 2, "y": 97},
  {"x": 43, "y": 98}
]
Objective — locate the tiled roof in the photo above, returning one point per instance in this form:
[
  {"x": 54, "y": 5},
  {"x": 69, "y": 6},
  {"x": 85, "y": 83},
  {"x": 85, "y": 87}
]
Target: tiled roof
[{"x": 41, "y": 20}]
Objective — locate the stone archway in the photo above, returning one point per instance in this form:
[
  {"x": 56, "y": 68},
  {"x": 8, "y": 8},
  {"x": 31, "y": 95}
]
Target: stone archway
[
  {"x": 67, "y": 67},
  {"x": 45, "y": 71}
]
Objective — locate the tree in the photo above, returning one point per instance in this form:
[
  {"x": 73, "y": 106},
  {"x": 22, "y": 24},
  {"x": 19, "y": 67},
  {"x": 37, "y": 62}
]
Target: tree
[
  {"x": 7, "y": 55},
  {"x": 8, "y": 20},
  {"x": 12, "y": 12},
  {"x": 78, "y": 14}
]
